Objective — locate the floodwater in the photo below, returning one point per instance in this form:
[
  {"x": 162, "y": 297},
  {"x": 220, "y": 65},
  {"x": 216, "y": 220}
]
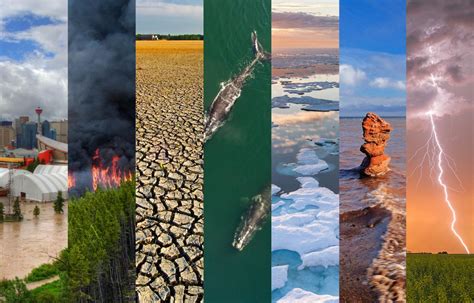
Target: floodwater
[{"x": 34, "y": 241}]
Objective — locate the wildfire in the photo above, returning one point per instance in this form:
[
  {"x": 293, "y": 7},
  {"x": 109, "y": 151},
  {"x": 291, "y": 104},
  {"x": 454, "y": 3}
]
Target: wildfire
[
  {"x": 104, "y": 176},
  {"x": 71, "y": 181},
  {"x": 107, "y": 177}
]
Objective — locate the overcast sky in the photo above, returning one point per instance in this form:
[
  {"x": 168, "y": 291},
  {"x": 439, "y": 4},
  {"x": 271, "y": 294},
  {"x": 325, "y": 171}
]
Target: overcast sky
[
  {"x": 169, "y": 16},
  {"x": 33, "y": 58}
]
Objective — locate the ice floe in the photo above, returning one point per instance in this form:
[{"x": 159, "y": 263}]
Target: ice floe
[
  {"x": 309, "y": 163},
  {"x": 326, "y": 257},
  {"x": 298, "y": 295},
  {"x": 275, "y": 189},
  {"x": 305, "y": 231},
  {"x": 311, "y": 104},
  {"x": 279, "y": 276}
]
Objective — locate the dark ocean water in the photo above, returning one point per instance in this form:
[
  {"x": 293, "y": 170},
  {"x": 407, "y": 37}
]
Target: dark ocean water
[{"x": 237, "y": 159}]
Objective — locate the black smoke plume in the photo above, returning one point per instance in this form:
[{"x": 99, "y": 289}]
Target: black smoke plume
[{"x": 101, "y": 86}]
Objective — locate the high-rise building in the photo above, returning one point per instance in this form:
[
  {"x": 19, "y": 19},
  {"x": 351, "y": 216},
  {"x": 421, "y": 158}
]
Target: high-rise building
[
  {"x": 47, "y": 131},
  {"x": 61, "y": 128},
  {"x": 7, "y": 134},
  {"x": 28, "y": 135}
]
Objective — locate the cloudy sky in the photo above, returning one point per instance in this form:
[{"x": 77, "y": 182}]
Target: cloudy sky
[
  {"x": 169, "y": 16},
  {"x": 33, "y": 58},
  {"x": 440, "y": 80},
  {"x": 372, "y": 57},
  {"x": 305, "y": 24}
]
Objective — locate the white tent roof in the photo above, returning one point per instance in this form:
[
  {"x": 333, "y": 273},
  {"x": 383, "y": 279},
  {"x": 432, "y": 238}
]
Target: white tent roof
[
  {"x": 40, "y": 187},
  {"x": 51, "y": 169},
  {"x": 4, "y": 175}
]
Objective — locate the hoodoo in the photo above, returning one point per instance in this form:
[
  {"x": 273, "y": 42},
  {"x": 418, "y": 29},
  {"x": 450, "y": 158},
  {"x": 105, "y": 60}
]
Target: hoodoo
[{"x": 376, "y": 132}]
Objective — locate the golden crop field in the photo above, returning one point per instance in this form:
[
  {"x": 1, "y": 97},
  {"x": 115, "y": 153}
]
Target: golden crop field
[{"x": 169, "y": 46}]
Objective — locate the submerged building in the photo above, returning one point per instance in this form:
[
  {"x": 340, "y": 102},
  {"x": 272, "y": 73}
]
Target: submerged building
[{"x": 43, "y": 185}]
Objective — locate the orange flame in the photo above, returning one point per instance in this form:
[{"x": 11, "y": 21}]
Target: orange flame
[
  {"x": 107, "y": 177},
  {"x": 71, "y": 180}
]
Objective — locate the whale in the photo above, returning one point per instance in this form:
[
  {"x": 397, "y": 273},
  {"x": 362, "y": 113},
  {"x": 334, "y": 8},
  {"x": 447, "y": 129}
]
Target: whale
[
  {"x": 230, "y": 91},
  {"x": 253, "y": 219}
]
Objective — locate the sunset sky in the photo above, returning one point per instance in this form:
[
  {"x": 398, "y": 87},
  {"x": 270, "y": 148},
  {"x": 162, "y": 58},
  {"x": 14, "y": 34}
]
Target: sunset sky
[
  {"x": 305, "y": 24},
  {"x": 439, "y": 47}
]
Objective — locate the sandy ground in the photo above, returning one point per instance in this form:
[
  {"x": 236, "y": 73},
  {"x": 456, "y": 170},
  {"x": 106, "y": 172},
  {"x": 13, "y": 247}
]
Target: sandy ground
[{"x": 169, "y": 171}]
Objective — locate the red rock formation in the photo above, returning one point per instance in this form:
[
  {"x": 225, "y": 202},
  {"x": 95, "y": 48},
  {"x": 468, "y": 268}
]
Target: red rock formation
[{"x": 376, "y": 132}]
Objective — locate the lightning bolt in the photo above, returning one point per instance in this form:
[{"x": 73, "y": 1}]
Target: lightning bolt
[
  {"x": 434, "y": 156},
  {"x": 443, "y": 185}
]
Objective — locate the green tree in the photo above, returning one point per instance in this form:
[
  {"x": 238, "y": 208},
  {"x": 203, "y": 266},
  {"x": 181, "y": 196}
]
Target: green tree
[
  {"x": 17, "y": 209},
  {"x": 32, "y": 166},
  {"x": 2, "y": 212},
  {"x": 14, "y": 291},
  {"x": 36, "y": 211},
  {"x": 59, "y": 203}
]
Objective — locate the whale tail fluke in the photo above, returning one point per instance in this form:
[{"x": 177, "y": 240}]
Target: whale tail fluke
[{"x": 258, "y": 49}]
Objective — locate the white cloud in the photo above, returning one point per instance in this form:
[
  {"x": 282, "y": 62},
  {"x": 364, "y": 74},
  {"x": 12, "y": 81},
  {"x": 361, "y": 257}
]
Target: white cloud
[
  {"x": 384, "y": 82},
  {"x": 40, "y": 78},
  {"x": 350, "y": 75}
]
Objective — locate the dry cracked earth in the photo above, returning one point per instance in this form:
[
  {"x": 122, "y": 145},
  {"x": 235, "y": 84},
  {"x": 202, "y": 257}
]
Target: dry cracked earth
[{"x": 169, "y": 213}]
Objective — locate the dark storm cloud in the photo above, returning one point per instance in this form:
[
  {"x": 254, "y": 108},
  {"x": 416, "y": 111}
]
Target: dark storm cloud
[
  {"x": 440, "y": 39},
  {"x": 304, "y": 20},
  {"x": 101, "y": 82}
]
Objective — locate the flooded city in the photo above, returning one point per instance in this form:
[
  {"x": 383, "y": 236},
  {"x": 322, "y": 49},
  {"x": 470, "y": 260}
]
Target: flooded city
[{"x": 33, "y": 241}]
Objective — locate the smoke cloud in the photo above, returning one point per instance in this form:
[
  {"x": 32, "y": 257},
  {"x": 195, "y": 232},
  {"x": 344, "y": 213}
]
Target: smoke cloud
[{"x": 101, "y": 85}]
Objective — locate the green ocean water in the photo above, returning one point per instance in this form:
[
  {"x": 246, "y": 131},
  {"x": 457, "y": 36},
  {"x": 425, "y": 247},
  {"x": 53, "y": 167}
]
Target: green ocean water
[{"x": 237, "y": 160}]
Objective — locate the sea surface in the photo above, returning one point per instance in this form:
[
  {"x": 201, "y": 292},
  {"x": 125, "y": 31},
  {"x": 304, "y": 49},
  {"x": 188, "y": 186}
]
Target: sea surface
[
  {"x": 356, "y": 191},
  {"x": 305, "y": 187},
  {"x": 237, "y": 164}
]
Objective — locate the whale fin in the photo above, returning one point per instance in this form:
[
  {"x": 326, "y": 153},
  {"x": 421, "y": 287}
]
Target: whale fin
[{"x": 258, "y": 49}]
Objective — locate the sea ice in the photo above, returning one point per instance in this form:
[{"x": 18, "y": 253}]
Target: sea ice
[
  {"x": 279, "y": 276},
  {"x": 309, "y": 163},
  {"x": 275, "y": 189},
  {"x": 312, "y": 104},
  {"x": 310, "y": 194},
  {"x": 326, "y": 257},
  {"x": 298, "y": 295},
  {"x": 277, "y": 204}
]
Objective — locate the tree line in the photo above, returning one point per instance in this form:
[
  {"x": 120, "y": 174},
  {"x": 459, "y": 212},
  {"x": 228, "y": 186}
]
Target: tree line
[{"x": 169, "y": 37}]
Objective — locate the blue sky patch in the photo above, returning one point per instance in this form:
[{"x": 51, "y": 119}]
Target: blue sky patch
[
  {"x": 25, "y": 22},
  {"x": 373, "y": 57}
]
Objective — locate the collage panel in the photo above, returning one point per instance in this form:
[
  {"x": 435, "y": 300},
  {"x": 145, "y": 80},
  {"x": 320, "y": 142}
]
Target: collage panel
[
  {"x": 237, "y": 148},
  {"x": 440, "y": 208},
  {"x": 99, "y": 263},
  {"x": 305, "y": 151},
  {"x": 33, "y": 146},
  {"x": 170, "y": 129},
  {"x": 372, "y": 158}
]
